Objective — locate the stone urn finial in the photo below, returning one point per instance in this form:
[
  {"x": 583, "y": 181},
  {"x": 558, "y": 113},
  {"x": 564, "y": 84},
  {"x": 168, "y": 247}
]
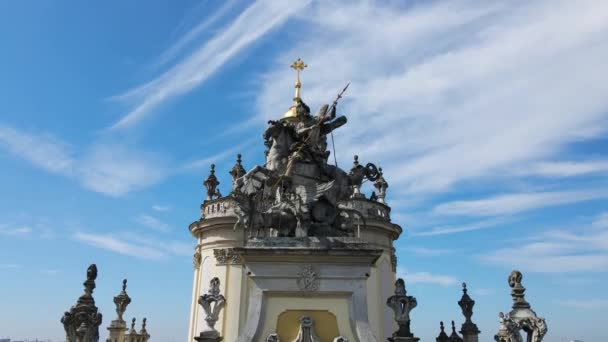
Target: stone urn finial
[
  {"x": 212, "y": 303},
  {"x": 402, "y": 304},
  {"x": 211, "y": 183},
  {"x": 466, "y": 304},
  {"x": 122, "y": 300}
]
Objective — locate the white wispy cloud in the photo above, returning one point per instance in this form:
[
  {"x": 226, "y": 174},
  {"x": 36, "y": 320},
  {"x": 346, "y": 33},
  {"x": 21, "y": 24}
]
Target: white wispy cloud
[
  {"x": 116, "y": 169},
  {"x": 429, "y": 252},
  {"x": 426, "y": 278},
  {"x": 517, "y": 202},
  {"x": 109, "y": 168},
  {"x": 42, "y": 150},
  {"x": 472, "y": 86},
  {"x": 50, "y": 272},
  {"x": 462, "y": 228},
  {"x": 170, "y": 247},
  {"x": 557, "y": 251},
  {"x": 114, "y": 244},
  {"x": 15, "y": 231},
  {"x": 585, "y": 304},
  {"x": 565, "y": 168},
  {"x": 601, "y": 221},
  {"x": 136, "y": 245},
  {"x": 220, "y": 156},
  {"x": 482, "y": 292},
  {"x": 152, "y": 222},
  {"x": 253, "y": 23},
  {"x": 193, "y": 34},
  {"x": 10, "y": 266},
  {"x": 161, "y": 208}
]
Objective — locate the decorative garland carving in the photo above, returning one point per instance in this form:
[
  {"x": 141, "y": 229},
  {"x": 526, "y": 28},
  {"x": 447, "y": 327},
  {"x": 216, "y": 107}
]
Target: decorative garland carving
[
  {"x": 393, "y": 261},
  {"x": 197, "y": 259},
  {"x": 227, "y": 256}
]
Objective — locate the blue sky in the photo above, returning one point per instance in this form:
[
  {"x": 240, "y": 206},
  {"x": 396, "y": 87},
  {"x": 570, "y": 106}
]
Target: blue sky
[{"x": 488, "y": 118}]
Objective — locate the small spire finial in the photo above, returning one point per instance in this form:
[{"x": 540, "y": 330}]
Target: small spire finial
[
  {"x": 124, "y": 285},
  {"x": 133, "y": 324},
  {"x": 466, "y": 304},
  {"x": 237, "y": 171},
  {"x": 443, "y": 337},
  {"x": 298, "y": 66},
  {"x": 143, "y": 333},
  {"x": 454, "y": 337}
]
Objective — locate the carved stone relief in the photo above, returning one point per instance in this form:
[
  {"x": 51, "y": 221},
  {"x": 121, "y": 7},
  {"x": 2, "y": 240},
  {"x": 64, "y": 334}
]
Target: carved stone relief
[{"x": 308, "y": 279}]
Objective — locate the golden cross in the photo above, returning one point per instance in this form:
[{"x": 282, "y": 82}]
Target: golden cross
[{"x": 298, "y": 66}]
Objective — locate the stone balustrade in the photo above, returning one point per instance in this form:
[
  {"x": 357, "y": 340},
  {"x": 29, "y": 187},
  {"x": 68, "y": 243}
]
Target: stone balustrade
[
  {"x": 220, "y": 207},
  {"x": 371, "y": 210}
]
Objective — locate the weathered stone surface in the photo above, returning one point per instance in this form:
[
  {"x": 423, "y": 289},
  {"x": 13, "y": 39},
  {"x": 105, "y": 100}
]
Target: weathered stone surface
[{"x": 211, "y": 184}]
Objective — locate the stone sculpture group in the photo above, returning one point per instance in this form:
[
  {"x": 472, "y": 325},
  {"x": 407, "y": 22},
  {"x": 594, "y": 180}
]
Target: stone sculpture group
[{"x": 297, "y": 193}]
